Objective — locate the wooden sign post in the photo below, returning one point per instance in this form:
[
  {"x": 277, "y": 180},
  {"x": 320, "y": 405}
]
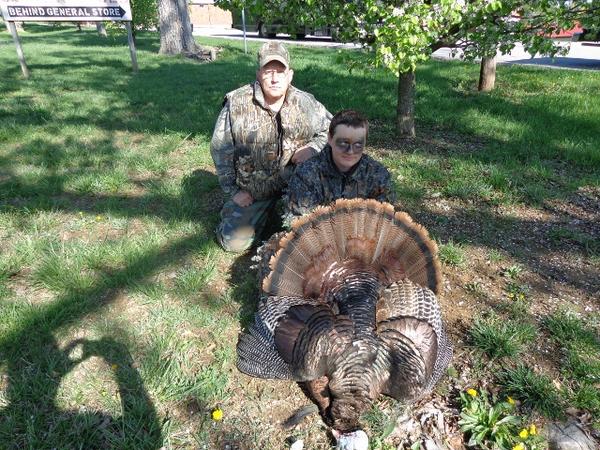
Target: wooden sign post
[{"x": 66, "y": 11}]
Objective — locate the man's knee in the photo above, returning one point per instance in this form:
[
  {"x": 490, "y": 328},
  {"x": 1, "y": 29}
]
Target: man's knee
[{"x": 236, "y": 240}]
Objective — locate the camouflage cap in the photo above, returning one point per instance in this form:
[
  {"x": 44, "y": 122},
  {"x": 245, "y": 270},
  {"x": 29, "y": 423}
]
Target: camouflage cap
[{"x": 273, "y": 51}]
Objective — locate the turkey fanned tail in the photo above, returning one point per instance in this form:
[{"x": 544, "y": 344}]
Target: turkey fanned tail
[{"x": 292, "y": 338}]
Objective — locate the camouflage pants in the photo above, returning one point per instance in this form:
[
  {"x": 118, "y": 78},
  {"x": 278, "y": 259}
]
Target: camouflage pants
[{"x": 240, "y": 226}]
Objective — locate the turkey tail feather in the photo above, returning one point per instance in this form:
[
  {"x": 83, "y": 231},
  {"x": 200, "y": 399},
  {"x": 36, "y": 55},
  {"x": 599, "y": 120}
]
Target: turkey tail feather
[{"x": 387, "y": 242}]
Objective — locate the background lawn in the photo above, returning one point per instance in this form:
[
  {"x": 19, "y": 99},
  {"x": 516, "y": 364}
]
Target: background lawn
[{"x": 119, "y": 313}]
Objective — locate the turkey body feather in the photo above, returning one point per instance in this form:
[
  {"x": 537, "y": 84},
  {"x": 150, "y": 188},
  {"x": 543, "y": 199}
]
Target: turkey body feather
[{"x": 349, "y": 310}]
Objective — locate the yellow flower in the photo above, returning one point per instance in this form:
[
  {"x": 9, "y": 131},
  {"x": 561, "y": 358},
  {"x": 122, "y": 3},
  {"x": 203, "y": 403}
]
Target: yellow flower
[
  {"x": 523, "y": 433},
  {"x": 472, "y": 392},
  {"x": 532, "y": 429},
  {"x": 510, "y": 400},
  {"x": 114, "y": 367},
  {"x": 98, "y": 218},
  {"x": 217, "y": 414},
  {"x": 519, "y": 446}
]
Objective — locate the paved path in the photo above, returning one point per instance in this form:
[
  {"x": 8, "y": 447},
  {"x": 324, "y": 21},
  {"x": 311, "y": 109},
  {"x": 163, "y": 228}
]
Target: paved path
[{"x": 580, "y": 56}]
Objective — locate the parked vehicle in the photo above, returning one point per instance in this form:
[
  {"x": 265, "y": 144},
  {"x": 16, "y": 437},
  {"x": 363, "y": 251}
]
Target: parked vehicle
[{"x": 270, "y": 30}]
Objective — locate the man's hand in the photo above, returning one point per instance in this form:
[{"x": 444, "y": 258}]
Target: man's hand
[
  {"x": 303, "y": 154},
  {"x": 243, "y": 199}
]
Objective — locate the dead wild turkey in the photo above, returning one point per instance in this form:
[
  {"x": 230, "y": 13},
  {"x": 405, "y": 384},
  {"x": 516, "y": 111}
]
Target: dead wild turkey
[{"x": 349, "y": 311}]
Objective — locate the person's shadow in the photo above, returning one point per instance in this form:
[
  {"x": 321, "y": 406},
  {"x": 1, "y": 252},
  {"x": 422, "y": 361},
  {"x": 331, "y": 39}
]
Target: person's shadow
[{"x": 33, "y": 419}]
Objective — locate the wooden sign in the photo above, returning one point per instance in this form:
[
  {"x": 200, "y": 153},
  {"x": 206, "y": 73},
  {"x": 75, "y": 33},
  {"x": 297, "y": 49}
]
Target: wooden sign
[{"x": 65, "y": 10}]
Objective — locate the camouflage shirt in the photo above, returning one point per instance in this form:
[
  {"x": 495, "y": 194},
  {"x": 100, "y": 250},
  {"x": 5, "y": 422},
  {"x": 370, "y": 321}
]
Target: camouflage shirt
[
  {"x": 252, "y": 146},
  {"x": 317, "y": 181}
]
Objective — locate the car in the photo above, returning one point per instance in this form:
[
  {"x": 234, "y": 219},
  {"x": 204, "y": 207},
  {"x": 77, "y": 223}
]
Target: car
[{"x": 271, "y": 29}]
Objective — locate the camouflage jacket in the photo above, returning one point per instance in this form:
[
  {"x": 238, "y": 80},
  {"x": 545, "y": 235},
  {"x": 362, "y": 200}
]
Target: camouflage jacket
[
  {"x": 252, "y": 146},
  {"x": 317, "y": 181}
]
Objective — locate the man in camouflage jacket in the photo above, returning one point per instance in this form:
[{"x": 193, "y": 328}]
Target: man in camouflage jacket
[
  {"x": 341, "y": 170},
  {"x": 263, "y": 130}
]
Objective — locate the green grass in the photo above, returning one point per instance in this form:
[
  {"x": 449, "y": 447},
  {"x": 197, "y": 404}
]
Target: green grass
[
  {"x": 119, "y": 313},
  {"x": 534, "y": 390},
  {"x": 498, "y": 337},
  {"x": 579, "y": 347},
  {"x": 452, "y": 254}
]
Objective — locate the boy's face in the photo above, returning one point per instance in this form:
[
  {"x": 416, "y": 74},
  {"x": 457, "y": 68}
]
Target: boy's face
[{"x": 347, "y": 146}]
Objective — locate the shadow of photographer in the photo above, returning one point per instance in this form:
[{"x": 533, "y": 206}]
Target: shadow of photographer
[{"x": 33, "y": 418}]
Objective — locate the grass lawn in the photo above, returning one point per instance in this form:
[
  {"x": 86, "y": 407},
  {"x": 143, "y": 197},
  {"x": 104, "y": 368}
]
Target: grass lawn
[{"x": 119, "y": 313}]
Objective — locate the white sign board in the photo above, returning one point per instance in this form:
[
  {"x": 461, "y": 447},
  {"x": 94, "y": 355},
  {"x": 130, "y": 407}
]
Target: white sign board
[{"x": 65, "y": 10}]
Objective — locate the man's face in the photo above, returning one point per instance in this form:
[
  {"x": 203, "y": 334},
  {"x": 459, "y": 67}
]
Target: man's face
[
  {"x": 274, "y": 80},
  {"x": 347, "y": 146}
]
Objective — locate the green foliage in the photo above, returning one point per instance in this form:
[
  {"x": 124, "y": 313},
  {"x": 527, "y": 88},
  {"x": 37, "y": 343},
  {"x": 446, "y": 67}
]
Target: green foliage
[
  {"x": 145, "y": 14},
  {"x": 487, "y": 422},
  {"x": 535, "y": 390},
  {"x": 513, "y": 272},
  {"x": 499, "y": 338},
  {"x": 402, "y": 35},
  {"x": 381, "y": 421},
  {"x": 580, "y": 363},
  {"x": 452, "y": 254},
  {"x": 516, "y": 292}
]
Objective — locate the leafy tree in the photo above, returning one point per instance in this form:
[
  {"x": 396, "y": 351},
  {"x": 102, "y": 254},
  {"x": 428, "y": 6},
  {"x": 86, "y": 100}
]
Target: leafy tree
[
  {"x": 145, "y": 14},
  {"x": 504, "y": 24},
  {"x": 401, "y": 34}
]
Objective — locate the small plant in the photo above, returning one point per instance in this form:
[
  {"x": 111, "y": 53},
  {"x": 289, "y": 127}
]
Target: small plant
[
  {"x": 513, "y": 272},
  {"x": 499, "y": 338},
  {"x": 495, "y": 256},
  {"x": 535, "y": 391},
  {"x": 516, "y": 291},
  {"x": 452, "y": 254},
  {"x": 487, "y": 423},
  {"x": 381, "y": 422},
  {"x": 475, "y": 288},
  {"x": 493, "y": 424}
]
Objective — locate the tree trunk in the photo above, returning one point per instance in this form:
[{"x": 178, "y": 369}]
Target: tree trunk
[
  {"x": 487, "y": 74},
  {"x": 175, "y": 28},
  {"x": 101, "y": 29},
  {"x": 406, "y": 104}
]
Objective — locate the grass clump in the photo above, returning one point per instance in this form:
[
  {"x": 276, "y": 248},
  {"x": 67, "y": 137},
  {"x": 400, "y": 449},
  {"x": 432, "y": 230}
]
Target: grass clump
[
  {"x": 498, "y": 337},
  {"x": 452, "y": 254},
  {"x": 534, "y": 390},
  {"x": 579, "y": 347}
]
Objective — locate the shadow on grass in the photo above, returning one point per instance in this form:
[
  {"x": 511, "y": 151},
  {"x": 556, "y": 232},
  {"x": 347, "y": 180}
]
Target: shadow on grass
[
  {"x": 35, "y": 365},
  {"x": 33, "y": 419},
  {"x": 528, "y": 241}
]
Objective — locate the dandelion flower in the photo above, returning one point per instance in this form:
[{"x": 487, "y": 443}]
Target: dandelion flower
[
  {"x": 519, "y": 446},
  {"x": 510, "y": 400},
  {"x": 472, "y": 392},
  {"x": 217, "y": 414},
  {"x": 98, "y": 218},
  {"x": 114, "y": 367},
  {"x": 523, "y": 433},
  {"x": 532, "y": 429}
]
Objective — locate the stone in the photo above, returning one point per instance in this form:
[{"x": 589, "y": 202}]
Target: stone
[{"x": 568, "y": 436}]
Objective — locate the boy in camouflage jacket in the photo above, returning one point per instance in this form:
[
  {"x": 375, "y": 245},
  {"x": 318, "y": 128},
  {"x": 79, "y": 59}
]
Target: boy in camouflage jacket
[{"x": 341, "y": 170}]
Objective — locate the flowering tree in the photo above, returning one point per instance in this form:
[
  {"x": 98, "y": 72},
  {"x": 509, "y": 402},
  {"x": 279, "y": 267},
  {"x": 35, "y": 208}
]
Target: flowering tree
[
  {"x": 505, "y": 23},
  {"x": 401, "y": 34}
]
